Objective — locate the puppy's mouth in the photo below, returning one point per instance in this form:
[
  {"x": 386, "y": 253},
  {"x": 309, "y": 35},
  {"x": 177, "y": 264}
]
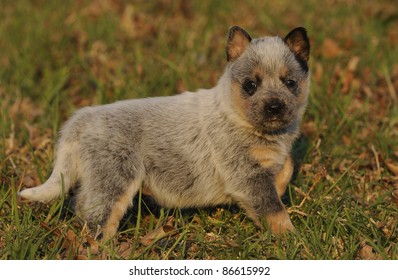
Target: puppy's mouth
[
  {"x": 279, "y": 123},
  {"x": 278, "y": 126},
  {"x": 274, "y": 117},
  {"x": 275, "y": 124}
]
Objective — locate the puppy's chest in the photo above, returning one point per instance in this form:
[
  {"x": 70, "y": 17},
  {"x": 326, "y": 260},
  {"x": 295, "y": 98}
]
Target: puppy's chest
[{"x": 269, "y": 156}]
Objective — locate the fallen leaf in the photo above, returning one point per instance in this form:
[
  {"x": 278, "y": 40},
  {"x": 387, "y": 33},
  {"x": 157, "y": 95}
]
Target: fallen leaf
[
  {"x": 309, "y": 128},
  {"x": 353, "y": 64},
  {"x": 231, "y": 243},
  {"x": 395, "y": 196},
  {"x": 331, "y": 48},
  {"x": 211, "y": 237},
  {"x": 346, "y": 140},
  {"x": 157, "y": 234},
  {"x": 366, "y": 253},
  {"x": 393, "y": 167},
  {"x": 56, "y": 231},
  {"x": 26, "y": 108},
  {"x": 71, "y": 241},
  {"x": 93, "y": 244},
  {"x": 127, "y": 23},
  {"x": 31, "y": 180},
  {"x": 318, "y": 73}
]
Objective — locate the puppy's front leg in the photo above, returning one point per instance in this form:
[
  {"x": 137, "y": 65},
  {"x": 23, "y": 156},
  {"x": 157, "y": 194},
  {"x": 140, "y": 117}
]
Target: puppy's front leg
[
  {"x": 282, "y": 179},
  {"x": 261, "y": 200}
]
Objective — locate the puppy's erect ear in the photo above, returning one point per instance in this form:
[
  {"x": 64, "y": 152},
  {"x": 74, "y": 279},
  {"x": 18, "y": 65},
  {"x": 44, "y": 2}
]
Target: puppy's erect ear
[
  {"x": 238, "y": 40},
  {"x": 298, "y": 42}
]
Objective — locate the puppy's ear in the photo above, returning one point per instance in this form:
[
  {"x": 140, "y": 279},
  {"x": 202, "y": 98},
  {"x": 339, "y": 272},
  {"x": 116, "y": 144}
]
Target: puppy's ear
[
  {"x": 238, "y": 40},
  {"x": 298, "y": 42}
]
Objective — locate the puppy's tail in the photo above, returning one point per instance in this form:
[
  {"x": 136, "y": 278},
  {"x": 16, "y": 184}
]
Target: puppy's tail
[{"x": 63, "y": 177}]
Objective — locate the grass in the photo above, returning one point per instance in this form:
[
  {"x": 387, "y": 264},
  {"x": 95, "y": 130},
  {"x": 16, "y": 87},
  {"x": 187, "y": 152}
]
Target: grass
[{"x": 57, "y": 58}]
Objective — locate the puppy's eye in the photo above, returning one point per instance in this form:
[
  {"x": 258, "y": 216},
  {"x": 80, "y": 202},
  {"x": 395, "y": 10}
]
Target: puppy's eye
[
  {"x": 291, "y": 84},
  {"x": 249, "y": 87}
]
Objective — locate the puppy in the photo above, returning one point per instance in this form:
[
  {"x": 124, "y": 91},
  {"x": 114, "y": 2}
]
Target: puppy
[{"x": 230, "y": 143}]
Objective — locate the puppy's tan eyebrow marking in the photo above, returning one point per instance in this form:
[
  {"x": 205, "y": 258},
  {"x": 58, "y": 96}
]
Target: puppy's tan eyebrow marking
[
  {"x": 258, "y": 72},
  {"x": 284, "y": 71},
  {"x": 258, "y": 79}
]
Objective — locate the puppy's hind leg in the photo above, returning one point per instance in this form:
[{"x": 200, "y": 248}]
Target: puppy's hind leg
[
  {"x": 113, "y": 172},
  {"x": 103, "y": 209},
  {"x": 119, "y": 209}
]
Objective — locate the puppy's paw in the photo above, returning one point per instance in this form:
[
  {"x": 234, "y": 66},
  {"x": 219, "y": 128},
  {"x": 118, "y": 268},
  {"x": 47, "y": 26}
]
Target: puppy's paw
[{"x": 280, "y": 223}]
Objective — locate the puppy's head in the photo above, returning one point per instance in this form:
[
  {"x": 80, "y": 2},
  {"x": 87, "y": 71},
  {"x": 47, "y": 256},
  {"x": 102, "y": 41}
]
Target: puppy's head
[{"x": 269, "y": 78}]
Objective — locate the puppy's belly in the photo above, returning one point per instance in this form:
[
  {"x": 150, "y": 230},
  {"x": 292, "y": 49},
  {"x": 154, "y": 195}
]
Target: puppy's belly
[{"x": 170, "y": 195}]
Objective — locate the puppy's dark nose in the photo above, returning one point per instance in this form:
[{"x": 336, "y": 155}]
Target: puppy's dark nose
[{"x": 274, "y": 107}]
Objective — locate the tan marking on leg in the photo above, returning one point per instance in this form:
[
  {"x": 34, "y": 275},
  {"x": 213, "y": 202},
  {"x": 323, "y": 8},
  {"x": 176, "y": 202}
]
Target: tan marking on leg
[
  {"x": 283, "y": 177},
  {"x": 266, "y": 156},
  {"x": 146, "y": 191},
  {"x": 119, "y": 209},
  {"x": 279, "y": 222}
]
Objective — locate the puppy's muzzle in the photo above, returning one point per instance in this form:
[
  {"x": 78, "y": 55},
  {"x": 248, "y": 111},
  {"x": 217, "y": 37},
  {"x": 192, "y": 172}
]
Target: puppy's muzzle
[{"x": 274, "y": 109}]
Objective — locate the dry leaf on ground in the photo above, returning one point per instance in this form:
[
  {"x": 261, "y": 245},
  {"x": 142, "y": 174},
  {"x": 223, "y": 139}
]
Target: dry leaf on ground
[
  {"x": 393, "y": 167},
  {"x": 157, "y": 234}
]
